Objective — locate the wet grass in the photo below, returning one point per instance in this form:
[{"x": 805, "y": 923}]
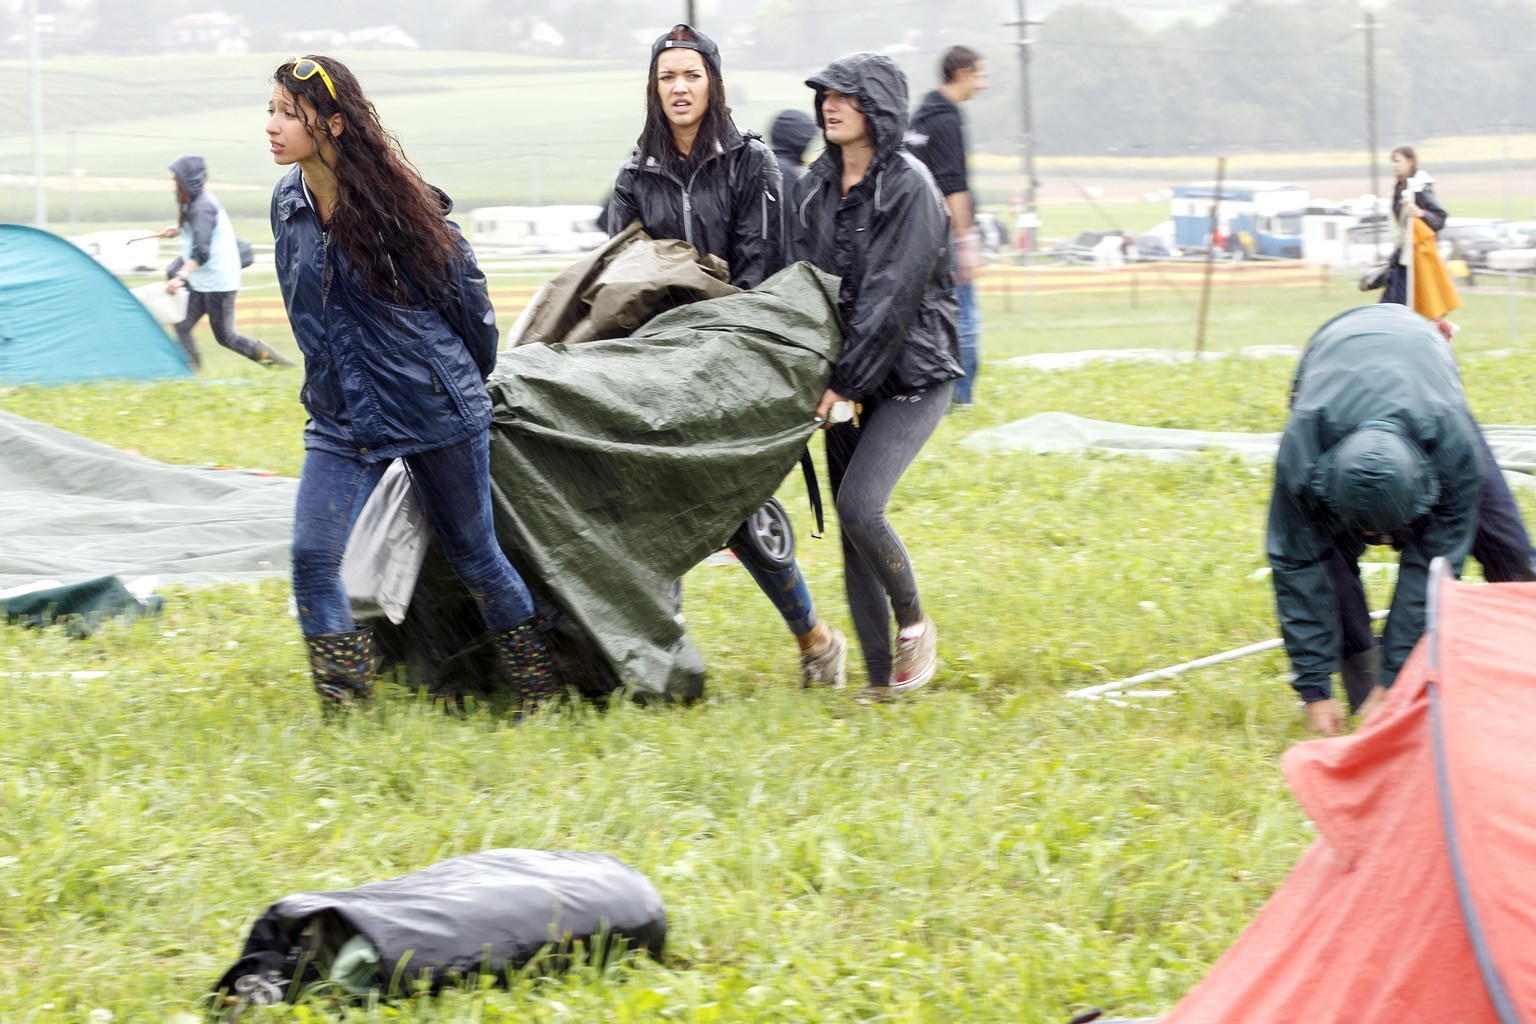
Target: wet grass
[{"x": 987, "y": 850}]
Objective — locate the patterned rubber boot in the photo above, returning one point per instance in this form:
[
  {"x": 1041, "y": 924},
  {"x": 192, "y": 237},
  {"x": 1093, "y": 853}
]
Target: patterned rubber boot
[
  {"x": 343, "y": 668},
  {"x": 524, "y": 653}
]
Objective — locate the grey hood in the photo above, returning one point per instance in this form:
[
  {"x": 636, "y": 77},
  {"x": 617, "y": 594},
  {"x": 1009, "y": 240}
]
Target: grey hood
[
  {"x": 792, "y": 131},
  {"x": 881, "y": 89},
  {"x": 192, "y": 172}
]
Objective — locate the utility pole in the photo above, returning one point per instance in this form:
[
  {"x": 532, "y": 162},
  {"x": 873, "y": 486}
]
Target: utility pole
[
  {"x": 688, "y": 13},
  {"x": 1370, "y": 96},
  {"x": 1029, "y": 222},
  {"x": 39, "y": 163}
]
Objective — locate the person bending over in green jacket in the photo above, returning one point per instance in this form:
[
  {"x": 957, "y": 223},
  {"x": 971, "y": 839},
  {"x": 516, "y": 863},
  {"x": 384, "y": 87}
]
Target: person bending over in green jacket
[{"x": 1380, "y": 448}]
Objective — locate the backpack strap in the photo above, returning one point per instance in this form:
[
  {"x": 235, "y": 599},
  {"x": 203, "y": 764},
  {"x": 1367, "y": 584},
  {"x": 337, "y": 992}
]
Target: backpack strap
[{"x": 812, "y": 490}]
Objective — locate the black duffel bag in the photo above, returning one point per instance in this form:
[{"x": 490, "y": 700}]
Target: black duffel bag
[{"x": 483, "y": 914}]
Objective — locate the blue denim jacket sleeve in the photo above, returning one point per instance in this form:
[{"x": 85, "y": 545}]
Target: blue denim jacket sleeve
[{"x": 474, "y": 318}]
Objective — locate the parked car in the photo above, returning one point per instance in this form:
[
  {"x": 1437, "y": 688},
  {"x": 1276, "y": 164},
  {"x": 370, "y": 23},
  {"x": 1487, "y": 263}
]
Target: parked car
[
  {"x": 1471, "y": 239},
  {"x": 1080, "y": 248},
  {"x": 1156, "y": 248}
]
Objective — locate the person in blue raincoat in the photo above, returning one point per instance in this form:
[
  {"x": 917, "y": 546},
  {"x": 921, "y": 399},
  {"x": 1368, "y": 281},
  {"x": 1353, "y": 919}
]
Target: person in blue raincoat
[{"x": 398, "y": 335}]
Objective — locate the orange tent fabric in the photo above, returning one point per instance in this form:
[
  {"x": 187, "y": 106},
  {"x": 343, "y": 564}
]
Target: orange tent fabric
[
  {"x": 1385, "y": 921},
  {"x": 1433, "y": 294}
]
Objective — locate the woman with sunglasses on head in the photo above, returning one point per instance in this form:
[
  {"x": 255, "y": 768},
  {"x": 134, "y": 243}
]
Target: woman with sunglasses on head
[
  {"x": 398, "y": 336},
  {"x": 870, "y": 213},
  {"x": 695, "y": 176}
]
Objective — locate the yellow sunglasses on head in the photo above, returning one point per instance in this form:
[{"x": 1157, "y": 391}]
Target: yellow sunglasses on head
[{"x": 305, "y": 68}]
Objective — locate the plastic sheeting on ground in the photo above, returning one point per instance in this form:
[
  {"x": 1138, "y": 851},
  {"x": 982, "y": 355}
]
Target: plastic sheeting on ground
[
  {"x": 1077, "y": 360},
  {"x": 1513, "y": 446},
  {"x": 75, "y": 509},
  {"x": 483, "y": 914},
  {"x": 1414, "y": 902},
  {"x": 618, "y": 465}
]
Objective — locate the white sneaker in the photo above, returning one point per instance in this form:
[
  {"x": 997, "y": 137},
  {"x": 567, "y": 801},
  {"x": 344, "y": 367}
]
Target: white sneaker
[
  {"x": 917, "y": 656},
  {"x": 828, "y": 667}
]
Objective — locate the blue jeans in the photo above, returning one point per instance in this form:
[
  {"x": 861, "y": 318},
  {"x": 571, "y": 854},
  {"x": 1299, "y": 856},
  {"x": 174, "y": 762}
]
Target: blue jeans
[
  {"x": 454, "y": 487},
  {"x": 786, "y": 588},
  {"x": 970, "y": 341}
]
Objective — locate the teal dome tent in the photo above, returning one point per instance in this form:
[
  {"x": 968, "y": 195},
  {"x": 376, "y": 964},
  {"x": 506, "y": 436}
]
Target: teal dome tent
[{"x": 64, "y": 318}]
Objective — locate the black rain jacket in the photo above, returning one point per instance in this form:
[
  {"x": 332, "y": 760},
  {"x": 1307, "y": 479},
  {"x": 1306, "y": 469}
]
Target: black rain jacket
[
  {"x": 790, "y": 133},
  {"x": 727, "y": 207},
  {"x": 888, "y": 239}
]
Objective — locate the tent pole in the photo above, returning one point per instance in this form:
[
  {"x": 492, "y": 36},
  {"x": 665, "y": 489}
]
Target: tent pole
[{"x": 1092, "y": 692}]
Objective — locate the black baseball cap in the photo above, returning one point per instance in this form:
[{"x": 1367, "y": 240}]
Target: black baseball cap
[{"x": 704, "y": 45}]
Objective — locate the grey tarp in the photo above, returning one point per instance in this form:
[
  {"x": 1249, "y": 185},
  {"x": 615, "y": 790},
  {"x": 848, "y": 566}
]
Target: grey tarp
[
  {"x": 1513, "y": 446},
  {"x": 75, "y": 509},
  {"x": 618, "y": 465}
]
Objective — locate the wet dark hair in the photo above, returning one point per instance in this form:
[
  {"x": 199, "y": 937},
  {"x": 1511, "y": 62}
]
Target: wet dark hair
[
  {"x": 391, "y": 222},
  {"x": 183, "y": 201},
  {"x": 958, "y": 59},
  {"x": 1413, "y": 158},
  {"x": 715, "y": 128}
]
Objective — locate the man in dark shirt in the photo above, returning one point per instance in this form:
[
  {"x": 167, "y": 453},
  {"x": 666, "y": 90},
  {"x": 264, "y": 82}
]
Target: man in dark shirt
[{"x": 937, "y": 137}]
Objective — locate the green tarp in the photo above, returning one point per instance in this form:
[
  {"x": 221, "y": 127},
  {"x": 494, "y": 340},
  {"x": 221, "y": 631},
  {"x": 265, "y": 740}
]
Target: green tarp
[{"x": 619, "y": 465}]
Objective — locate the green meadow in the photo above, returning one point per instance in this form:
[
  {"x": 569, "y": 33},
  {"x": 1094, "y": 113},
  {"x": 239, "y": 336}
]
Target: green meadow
[
  {"x": 496, "y": 129},
  {"x": 987, "y": 850}
]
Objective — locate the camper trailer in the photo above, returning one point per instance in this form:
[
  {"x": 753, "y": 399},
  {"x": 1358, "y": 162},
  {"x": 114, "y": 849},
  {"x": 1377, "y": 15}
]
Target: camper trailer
[
  {"x": 121, "y": 252},
  {"x": 537, "y": 229},
  {"x": 1253, "y": 218},
  {"x": 1354, "y": 233}
]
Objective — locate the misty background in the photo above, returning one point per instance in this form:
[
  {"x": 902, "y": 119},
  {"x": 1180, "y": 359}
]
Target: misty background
[{"x": 539, "y": 100}]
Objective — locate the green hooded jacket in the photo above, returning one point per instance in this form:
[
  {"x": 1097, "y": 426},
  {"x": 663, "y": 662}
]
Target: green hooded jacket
[{"x": 1377, "y": 408}]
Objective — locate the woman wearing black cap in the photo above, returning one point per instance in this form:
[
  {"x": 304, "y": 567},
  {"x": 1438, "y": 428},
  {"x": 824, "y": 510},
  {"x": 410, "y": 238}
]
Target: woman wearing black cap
[
  {"x": 695, "y": 176},
  {"x": 869, "y": 212}
]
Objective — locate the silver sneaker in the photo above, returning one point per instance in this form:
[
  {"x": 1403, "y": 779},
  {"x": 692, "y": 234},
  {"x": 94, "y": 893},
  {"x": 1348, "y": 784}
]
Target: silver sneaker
[
  {"x": 828, "y": 667},
  {"x": 917, "y": 656}
]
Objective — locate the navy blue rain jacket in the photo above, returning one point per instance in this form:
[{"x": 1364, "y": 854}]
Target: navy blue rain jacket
[{"x": 380, "y": 380}]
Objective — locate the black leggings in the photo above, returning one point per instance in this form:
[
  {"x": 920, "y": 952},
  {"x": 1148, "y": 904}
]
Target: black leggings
[
  {"x": 220, "y": 309},
  {"x": 865, "y": 463}
]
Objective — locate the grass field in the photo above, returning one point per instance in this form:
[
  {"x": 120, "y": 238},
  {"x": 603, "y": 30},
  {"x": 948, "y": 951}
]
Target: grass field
[{"x": 986, "y": 851}]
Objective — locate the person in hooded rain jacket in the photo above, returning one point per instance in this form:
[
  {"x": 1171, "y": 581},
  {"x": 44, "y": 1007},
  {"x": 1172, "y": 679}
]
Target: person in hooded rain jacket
[
  {"x": 398, "y": 336},
  {"x": 695, "y": 176},
  {"x": 869, "y": 212},
  {"x": 789, "y": 135},
  {"x": 209, "y": 268},
  {"x": 1380, "y": 448}
]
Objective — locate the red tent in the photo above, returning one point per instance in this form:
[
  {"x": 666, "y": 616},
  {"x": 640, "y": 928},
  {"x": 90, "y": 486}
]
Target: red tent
[{"x": 1417, "y": 903}]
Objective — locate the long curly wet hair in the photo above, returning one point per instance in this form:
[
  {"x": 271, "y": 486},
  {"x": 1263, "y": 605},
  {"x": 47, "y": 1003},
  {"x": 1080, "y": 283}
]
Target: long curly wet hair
[{"x": 391, "y": 223}]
